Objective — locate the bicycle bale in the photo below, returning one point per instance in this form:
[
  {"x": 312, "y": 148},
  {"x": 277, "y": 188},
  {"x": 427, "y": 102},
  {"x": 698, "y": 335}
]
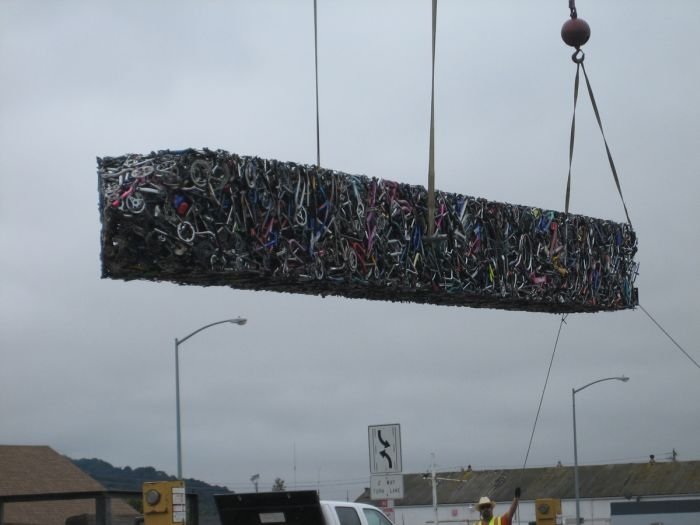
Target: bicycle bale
[{"x": 211, "y": 218}]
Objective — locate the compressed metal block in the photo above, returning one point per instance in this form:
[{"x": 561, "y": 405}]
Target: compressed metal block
[{"x": 211, "y": 218}]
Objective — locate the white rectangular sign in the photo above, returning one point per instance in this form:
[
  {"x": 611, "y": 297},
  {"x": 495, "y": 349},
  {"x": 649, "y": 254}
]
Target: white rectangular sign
[
  {"x": 179, "y": 505},
  {"x": 385, "y": 449},
  {"x": 389, "y": 486},
  {"x": 272, "y": 517}
]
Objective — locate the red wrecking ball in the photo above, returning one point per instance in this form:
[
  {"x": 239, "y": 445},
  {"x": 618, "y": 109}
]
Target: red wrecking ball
[{"x": 575, "y": 32}]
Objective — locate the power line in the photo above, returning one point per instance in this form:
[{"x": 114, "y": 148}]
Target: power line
[{"x": 309, "y": 484}]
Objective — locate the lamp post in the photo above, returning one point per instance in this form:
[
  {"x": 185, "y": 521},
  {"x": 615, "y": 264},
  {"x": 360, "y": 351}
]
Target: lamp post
[
  {"x": 239, "y": 321},
  {"x": 574, "y": 391}
]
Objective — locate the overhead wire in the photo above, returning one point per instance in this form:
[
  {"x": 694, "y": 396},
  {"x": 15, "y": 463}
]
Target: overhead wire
[{"x": 242, "y": 485}]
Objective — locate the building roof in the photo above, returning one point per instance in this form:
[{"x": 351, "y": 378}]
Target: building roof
[
  {"x": 39, "y": 470},
  {"x": 630, "y": 480}
]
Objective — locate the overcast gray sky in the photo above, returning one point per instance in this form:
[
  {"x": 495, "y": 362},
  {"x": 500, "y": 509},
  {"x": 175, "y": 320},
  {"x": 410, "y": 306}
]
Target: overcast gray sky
[{"x": 87, "y": 365}]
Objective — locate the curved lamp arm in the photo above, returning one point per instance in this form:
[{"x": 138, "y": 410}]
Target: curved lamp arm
[
  {"x": 616, "y": 378},
  {"x": 238, "y": 320}
]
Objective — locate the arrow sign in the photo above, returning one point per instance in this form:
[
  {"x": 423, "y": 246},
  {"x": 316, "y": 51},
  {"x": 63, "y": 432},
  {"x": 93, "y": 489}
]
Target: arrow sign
[{"x": 385, "y": 449}]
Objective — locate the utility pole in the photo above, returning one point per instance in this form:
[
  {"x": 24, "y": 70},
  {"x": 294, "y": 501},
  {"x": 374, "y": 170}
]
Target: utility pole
[{"x": 433, "y": 479}]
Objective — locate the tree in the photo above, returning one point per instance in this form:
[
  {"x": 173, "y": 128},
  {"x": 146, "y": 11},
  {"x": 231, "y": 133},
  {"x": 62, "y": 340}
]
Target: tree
[
  {"x": 278, "y": 486},
  {"x": 136, "y": 504}
]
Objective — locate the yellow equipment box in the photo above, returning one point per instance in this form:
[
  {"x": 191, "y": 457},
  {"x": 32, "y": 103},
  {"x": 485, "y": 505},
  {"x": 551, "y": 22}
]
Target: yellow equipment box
[
  {"x": 164, "y": 502},
  {"x": 548, "y": 511}
]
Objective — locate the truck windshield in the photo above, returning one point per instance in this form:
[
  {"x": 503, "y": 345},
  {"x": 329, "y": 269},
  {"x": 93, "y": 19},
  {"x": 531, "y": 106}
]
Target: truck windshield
[{"x": 374, "y": 517}]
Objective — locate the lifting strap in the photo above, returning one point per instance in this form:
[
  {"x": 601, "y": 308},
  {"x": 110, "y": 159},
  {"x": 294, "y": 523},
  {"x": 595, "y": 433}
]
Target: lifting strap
[
  {"x": 578, "y": 57},
  {"x": 431, "y": 158},
  {"x": 318, "y": 131}
]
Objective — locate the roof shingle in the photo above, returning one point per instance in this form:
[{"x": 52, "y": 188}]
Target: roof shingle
[
  {"x": 41, "y": 470},
  {"x": 595, "y": 481}
]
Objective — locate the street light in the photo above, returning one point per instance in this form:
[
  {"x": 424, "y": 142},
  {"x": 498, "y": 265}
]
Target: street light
[
  {"x": 574, "y": 391},
  {"x": 254, "y": 478},
  {"x": 239, "y": 321}
]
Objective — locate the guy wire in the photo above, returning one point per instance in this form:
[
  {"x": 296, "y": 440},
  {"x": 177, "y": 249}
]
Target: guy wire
[
  {"x": 539, "y": 408},
  {"x": 669, "y": 336}
]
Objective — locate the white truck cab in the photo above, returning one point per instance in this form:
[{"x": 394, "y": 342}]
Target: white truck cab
[{"x": 347, "y": 513}]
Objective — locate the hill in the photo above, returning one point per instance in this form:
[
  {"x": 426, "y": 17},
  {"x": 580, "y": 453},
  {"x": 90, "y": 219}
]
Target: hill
[{"x": 127, "y": 478}]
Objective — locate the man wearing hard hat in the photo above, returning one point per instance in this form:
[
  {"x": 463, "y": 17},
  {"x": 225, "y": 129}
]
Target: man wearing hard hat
[{"x": 486, "y": 506}]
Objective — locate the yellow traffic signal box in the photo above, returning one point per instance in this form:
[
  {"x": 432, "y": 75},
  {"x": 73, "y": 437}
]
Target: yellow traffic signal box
[
  {"x": 548, "y": 511},
  {"x": 164, "y": 502}
]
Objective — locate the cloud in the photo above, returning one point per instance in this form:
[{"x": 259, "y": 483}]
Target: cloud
[{"x": 88, "y": 365}]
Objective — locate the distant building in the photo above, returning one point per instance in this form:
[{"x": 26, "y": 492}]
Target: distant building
[
  {"x": 41, "y": 470},
  {"x": 600, "y": 487}
]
